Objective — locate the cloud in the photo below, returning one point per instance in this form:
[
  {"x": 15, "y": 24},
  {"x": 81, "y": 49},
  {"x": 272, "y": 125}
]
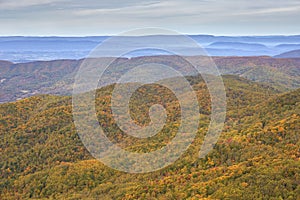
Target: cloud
[
  {"x": 268, "y": 11},
  {"x": 14, "y": 4},
  {"x": 119, "y": 9},
  {"x": 96, "y": 16}
]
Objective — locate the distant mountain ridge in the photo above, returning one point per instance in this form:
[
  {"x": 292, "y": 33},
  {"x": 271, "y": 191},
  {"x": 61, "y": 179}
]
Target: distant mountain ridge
[
  {"x": 57, "y": 77},
  {"x": 26, "y": 49},
  {"x": 288, "y": 47},
  {"x": 238, "y": 45},
  {"x": 289, "y": 54}
]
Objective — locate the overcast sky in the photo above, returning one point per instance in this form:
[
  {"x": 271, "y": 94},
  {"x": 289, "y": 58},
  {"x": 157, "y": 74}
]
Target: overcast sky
[{"x": 110, "y": 17}]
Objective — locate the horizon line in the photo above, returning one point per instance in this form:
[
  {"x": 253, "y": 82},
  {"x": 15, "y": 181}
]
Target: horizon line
[{"x": 106, "y": 35}]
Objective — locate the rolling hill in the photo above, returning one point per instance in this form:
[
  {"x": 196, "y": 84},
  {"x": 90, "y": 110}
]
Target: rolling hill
[
  {"x": 57, "y": 77},
  {"x": 256, "y": 157},
  {"x": 290, "y": 54}
]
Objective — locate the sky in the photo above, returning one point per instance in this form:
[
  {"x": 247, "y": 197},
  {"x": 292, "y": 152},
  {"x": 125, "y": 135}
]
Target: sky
[{"x": 111, "y": 17}]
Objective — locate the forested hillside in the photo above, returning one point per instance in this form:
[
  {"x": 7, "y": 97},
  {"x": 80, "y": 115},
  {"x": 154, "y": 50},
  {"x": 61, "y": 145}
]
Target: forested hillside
[
  {"x": 256, "y": 157},
  {"x": 57, "y": 77}
]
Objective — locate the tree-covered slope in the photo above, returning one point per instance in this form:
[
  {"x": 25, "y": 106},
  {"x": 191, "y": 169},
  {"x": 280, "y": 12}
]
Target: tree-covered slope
[
  {"x": 256, "y": 157},
  {"x": 57, "y": 77}
]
